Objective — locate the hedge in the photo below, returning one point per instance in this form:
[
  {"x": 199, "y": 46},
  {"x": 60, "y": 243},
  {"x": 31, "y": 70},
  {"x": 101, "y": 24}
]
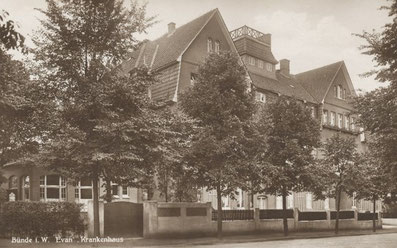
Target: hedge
[{"x": 41, "y": 219}]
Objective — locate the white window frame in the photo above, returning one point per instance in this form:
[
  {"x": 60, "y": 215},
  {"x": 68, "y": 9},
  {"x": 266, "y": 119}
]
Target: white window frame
[
  {"x": 251, "y": 60},
  {"x": 217, "y": 46},
  {"x": 226, "y": 202},
  {"x": 313, "y": 113},
  {"x": 279, "y": 202},
  {"x": 262, "y": 202},
  {"x": 193, "y": 79},
  {"x": 79, "y": 187},
  {"x": 126, "y": 195},
  {"x": 309, "y": 200},
  {"x": 326, "y": 204},
  {"x": 209, "y": 45},
  {"x": 260, "y": 63},
  {"x": 339, "y": 91},
  {"x": 362, "y": 135},
  {"x": 333, "y": 117},
  {"x": 353, "y": 124},
  {"x": 240, "y": 200},
  {"x": 325, "y": 116},
  {"x": 61, "y": 186},
  {"x": 269, "y": 67},
  {"x": 347, "y": 122},
  {"x": 340, "y": 120},
  {"x": 259, "y": 96},
  {"x": 290, "y": 200},
  {"x": 25, "y": 186}
]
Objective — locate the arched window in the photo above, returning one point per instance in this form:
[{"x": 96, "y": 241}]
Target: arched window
[
  {"x": 217, "y": 46},
  {"x": 25, "y": 187},
  {"x": 339, "y": 92},
  {"x": 52, "y": 188}
]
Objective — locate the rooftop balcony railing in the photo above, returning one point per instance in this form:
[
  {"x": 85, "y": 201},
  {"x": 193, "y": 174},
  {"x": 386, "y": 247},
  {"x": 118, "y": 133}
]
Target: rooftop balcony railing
[{"x": 247, "y": 31}]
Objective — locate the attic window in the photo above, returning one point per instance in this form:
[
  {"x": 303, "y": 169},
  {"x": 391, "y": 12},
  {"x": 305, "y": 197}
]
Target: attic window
[
  {"x": 259, "y": 96},
  {"x": 217, "y": 46},
  {"x": 269, "y": 67},
  {"x": 193, "y": 78},
  {"x": 209, "y": 45},
  {"x": 339, "y": 92}
]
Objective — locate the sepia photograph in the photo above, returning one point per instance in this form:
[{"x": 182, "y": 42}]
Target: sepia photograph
[{"x": 211, "y": 123}]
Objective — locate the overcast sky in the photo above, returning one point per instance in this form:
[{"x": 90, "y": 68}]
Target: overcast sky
[{"x": 310, "y": 33}]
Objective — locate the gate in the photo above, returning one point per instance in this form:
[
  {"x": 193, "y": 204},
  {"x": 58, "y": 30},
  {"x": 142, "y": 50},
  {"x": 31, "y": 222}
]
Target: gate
[{"x": 123, "y": 219}]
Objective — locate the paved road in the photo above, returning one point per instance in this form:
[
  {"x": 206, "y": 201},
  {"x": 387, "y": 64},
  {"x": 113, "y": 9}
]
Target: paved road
[{"x": 364, "y": 241}]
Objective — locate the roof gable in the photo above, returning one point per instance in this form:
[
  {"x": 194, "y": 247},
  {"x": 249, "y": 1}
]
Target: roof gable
[
  {"x": 318, "y": 81},
  {"x": 168, "y": 48}
]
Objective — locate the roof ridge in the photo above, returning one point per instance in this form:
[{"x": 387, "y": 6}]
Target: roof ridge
[
  {"x": 166, "y": 34},
  {"x": 319, "y": 68}
]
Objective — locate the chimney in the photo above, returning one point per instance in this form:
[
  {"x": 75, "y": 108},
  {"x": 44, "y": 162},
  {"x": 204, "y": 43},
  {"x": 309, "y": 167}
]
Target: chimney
[
  {"x": 284, "y": 67},
  {"x": 171, "y": 27}
]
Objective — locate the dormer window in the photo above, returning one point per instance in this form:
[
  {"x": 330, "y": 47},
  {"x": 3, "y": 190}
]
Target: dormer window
[
  {"x": 259, "y": 96},
  {"x": 217, "y": 46},
  {"x": 209, "y": 45},
  {"x": 325, "y": 116}
]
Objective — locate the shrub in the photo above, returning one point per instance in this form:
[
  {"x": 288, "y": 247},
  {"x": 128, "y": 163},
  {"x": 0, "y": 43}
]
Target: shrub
[{"x": 37, "y": 219}]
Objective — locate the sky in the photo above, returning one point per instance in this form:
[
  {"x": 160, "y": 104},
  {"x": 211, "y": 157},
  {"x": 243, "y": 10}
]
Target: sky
[{"x": 310, "y": 33}]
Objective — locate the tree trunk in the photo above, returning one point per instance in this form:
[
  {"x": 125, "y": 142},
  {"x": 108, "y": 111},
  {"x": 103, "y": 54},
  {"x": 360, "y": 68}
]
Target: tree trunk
[
  {"x": 252, "y": 200},
  {"x": 285, "y": 222},
  {"x": 109, "y": 195},
  {"x": 219, "y": 210},
  {"x": 374, "y": 216},
  {"x": 338, "y": 193},
  {"x": 96, "y": 201}
]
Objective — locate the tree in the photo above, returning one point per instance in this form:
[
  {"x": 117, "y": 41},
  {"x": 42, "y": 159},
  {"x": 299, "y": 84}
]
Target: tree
[
  {"x": 101, "y": 125},
  {"x": 378, "y": 108},
  {"x": 370, "y": 180},
  {"x": 9, "y": 37},
  {"x": 222, "y": 104},
  {"x": 336, "y": 171},
  {"x": 291, "y": 135}
]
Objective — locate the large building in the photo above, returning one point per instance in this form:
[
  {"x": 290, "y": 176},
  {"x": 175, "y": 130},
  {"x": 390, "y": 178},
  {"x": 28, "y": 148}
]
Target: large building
[{"x": 176, "y": 56}]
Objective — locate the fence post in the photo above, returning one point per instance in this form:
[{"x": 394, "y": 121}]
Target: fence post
[
  {"x": 356, "y": 217},
  {"x": 256, "y": 218},
  {"x": 380, "y": 219},
  {"x": 296, "y": 219}
]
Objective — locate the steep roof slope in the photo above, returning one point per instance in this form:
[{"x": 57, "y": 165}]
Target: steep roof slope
[
  {"x": 317, "y": 81},
  {"x": 283, "y": 85},
  {"x": 168, "y": 47}
]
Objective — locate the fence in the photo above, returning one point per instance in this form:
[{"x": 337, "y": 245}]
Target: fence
[
  {"x": 367, "y": 216},
  {"x": 389, "y": 215},
  {"x": 197, "y": 219},
  {"x": 230, "y": 215},
  {"x": 343, "y": 215}
]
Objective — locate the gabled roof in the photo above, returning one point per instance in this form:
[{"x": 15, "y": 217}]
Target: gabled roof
[
  {"x": 318, "y": 81},
  {"x": 168, "y": 48},
  {"x": 283, "y": 85}
]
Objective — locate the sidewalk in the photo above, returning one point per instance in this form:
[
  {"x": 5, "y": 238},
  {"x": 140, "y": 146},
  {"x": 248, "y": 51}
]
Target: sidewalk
[
  {"x": 174, "y": 242},
  {"x": 249, "y": 238}
]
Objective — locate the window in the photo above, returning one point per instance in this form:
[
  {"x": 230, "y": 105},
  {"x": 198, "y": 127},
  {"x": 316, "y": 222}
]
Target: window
[
  {"x": 217, "y": 46},
  {"x": 251, "y": 60},
  {"x": 115, "y": 189},
  {"x": 259, "y": 96},
  {"x": 225, "y": 202},
  {"x": 269, "y": 67},
  {"x": 309, "y": 201},
  {"x": 354, "y": 200},
  {"x": 326, "y": 203},
  {"x": 25, "y": 188},
  {"x": 83, "y": 189},
  {"x": 344, "y": 93},
  {"x": 347, "y": 122},
  {"x": 290, "y": 201},
  {"x": 262, "y": 202},
  {"x": 362, "y": 135},
  {"x": 339, "y": 92},
  {"x": 240, "y": 198},
  {"x": 209, "y": 45},
  {"x": 193, "y": 78},
  {"x": 124, "y": 191},
  {"x": 52, "y": 187},
  {"x": 13, "y": 182},
  {"x": 325, "y": 116},
  {"x": 340, "y": 120},
  {"x": 332, "y": 118},
  {"x": 335, "y": 91},
  {"x": 279, "y": 202},
  {"x": 260, "y": 63},
  {"x": 353, "y": 120},
  {"x": 313, "y": 112}
]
